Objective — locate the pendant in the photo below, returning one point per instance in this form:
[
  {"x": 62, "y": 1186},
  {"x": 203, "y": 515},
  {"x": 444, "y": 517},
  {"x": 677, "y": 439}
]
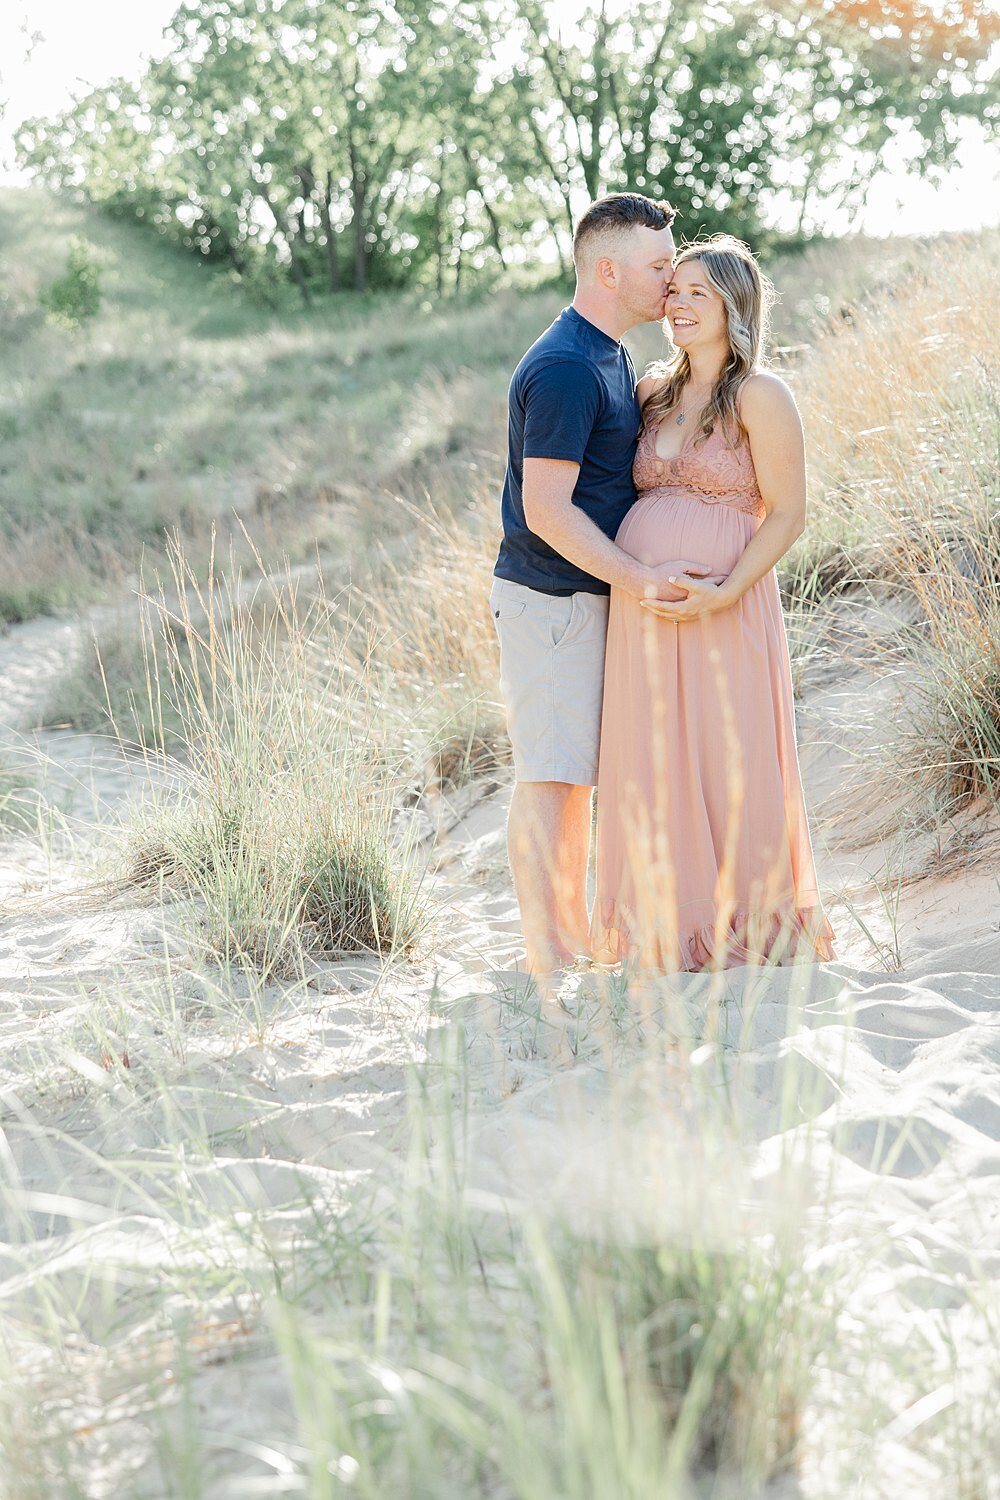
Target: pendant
[{"x": 679, "y": 420}]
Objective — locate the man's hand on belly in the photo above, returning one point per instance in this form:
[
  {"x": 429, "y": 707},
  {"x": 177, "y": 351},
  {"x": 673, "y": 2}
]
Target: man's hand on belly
[
  {"x": 550, "y": 513},
  {"x": 658, "y": 585}
]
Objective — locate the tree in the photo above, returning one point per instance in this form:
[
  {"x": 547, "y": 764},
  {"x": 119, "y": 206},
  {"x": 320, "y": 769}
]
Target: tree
[
  {"x": 860, "y": 69},
  {"x": 380, "y": 142},
  {"x": 710, "y": 104}
]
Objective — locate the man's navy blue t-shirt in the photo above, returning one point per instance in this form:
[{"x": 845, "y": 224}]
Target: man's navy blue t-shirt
[{"x": 571, "y": 397}]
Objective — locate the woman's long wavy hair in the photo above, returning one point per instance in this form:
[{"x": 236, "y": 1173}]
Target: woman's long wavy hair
[{"x": 729, "y": 267}]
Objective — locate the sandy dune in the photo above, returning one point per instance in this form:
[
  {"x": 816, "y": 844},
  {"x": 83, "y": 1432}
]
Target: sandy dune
[{"x": 170, "y": 1134}]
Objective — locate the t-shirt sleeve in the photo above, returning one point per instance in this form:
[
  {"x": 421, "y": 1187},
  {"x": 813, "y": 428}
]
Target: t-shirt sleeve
[{"x": 562, "y": 402}]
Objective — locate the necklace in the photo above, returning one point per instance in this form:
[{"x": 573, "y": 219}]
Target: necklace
[{"x": 681, "y": 419}]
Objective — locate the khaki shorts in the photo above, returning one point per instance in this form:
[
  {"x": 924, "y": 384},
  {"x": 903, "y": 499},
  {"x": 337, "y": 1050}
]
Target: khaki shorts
[{"x": 551, "y": 679}]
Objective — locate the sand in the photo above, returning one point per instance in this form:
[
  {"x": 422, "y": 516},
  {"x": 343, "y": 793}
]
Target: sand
[{"x": 170, "y": 1134}]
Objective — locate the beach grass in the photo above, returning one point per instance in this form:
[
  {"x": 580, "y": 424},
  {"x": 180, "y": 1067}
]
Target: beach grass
[
  {"x": 900, "y": 407},
  {"x": 281, "y": 826},
  {"x": 378, "y": 1309},
  {"x": 216, "y": 1302},
  {"x": 952, "y": 742}
]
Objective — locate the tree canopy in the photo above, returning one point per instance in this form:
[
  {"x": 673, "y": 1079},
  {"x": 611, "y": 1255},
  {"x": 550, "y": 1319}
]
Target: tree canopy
[{"x": 372, "y": 143}]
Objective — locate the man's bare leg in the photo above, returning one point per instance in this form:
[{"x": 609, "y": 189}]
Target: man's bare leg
[{"x": 548, "y": 843}]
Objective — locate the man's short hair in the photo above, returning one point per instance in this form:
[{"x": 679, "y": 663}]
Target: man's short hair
[{"x": 616, "y": 214}]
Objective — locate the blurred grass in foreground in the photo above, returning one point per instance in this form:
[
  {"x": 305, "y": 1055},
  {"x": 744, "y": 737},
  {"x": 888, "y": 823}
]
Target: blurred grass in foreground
[{"x": 664, "y": 1295}]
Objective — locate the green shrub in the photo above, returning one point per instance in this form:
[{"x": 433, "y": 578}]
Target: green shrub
[
  {"x": 75, "y": 296},
  {"x": 20, "y": 602}
]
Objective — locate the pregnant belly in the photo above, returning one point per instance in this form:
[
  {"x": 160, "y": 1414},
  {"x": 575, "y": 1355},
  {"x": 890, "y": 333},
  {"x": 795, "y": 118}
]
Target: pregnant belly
[{"x": 662, "y": 528}]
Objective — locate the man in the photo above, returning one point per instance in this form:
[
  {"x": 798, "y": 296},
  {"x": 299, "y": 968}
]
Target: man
[{"x": 573, "y": 421}]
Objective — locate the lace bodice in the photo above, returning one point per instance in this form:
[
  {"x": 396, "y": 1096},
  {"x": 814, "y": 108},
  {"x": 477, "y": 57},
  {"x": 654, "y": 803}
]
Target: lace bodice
[{"x": 712, "y": 470}]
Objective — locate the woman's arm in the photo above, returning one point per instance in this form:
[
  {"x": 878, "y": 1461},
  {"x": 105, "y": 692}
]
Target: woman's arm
[
  {"x": 777, "y": 446},
  {"x": 645, "y": 388}
]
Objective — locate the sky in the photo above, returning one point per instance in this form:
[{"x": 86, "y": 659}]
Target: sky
[{"x": 81, "y": 46}]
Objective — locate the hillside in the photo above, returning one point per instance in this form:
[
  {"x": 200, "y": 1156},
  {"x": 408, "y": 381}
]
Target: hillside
[{"x": 184, "y": 402}]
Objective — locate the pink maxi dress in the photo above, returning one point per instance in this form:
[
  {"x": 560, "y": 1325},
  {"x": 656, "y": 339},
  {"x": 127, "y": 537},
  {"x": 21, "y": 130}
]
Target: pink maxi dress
[{"x": 703, "y": 851}]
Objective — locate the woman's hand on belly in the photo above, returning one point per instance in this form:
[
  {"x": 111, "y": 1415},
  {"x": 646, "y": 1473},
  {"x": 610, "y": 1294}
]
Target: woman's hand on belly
[{"x": 702, "y": 596}]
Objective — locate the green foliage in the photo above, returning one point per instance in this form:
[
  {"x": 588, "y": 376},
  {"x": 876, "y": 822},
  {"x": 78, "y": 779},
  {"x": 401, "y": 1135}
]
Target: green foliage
[
  {"x": 23, "y": 601},
  {"x": 74, "y": 297},
  {"x": 377, "y": 145}
]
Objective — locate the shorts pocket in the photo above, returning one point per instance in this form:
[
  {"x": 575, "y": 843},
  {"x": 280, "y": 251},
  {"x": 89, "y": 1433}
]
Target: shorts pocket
[
  {"x": 562, "y": 613},
  {"x": 503, "y": 607}
]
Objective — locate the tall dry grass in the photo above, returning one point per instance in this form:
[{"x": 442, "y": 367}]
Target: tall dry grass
[
  {"x": 438, "y": 659},
  {"x": 280, "y": 824},
  {"x": 902, "y": 407},
  {"x": 415, "y": 623}
]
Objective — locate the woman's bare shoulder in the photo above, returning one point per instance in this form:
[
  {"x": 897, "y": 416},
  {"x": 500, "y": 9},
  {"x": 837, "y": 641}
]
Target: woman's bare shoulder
[{"x": 764, "y": 394}]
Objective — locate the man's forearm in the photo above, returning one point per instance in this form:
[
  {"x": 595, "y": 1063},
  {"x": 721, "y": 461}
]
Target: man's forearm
[{"x": 575, "y": 536}]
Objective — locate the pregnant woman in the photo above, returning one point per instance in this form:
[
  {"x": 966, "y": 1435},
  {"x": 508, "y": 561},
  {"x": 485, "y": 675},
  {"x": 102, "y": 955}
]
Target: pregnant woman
[{"x": 703, "y": 851}]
